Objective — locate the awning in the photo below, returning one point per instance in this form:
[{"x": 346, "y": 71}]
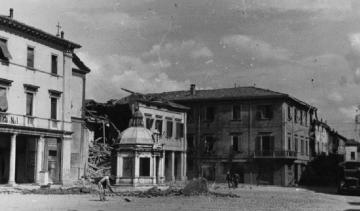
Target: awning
[
  {"x": 4, "y": 49},
  {"x": 3, "y": 100}
]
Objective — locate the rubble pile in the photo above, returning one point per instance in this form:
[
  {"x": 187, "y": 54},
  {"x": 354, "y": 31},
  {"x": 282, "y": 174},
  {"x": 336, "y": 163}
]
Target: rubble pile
[
  {"x": 99, "y": 159},
  {"x": 61, "y": 191},
  {"x": 196, "y": 187}
]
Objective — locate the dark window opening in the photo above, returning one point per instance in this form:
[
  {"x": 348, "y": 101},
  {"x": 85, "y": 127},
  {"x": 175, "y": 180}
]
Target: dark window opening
[
  {"x": 158, "y": 125},
  {"x": 54, "y": 64},
  {"x": 190, "y": 116},
  {"x": 29, "y": 103},
  {"x": 235, "y": 143},
  {"x": 209, "y": 144},
  {"x": 53, "y": 114},
  {"x": 30, "y": 57},
  {"x": 3, "y": 100},
  {"x": 209, "y": 113},
  {"x": 149, "y": 123},
  {"x": 236, "y": 112},
  {"x": 144, "y": 167},
  {"x": 169, "y": 129},
  {"x": 53, "y": 153},
  {"x": 289, "y": 113},
  {"x": 352, "y": 156},
  {"x": 289, "y": 143},
  {"x": 190, "y": 142},
  {"x": 179, "y": 130},
  {"x": 264, "y": 112},
  {"x": 4, "y": 51}
]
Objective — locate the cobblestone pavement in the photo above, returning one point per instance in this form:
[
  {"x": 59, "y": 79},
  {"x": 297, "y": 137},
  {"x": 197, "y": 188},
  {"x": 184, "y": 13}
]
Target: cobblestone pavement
[{"x": 251, "y": 198}]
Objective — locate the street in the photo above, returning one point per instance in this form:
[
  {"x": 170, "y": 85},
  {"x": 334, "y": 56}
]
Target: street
[{"x": 251, "y": 198}]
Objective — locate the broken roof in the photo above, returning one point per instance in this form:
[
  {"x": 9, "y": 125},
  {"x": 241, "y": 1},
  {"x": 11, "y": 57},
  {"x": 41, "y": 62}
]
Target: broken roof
[
  {"x": 227, "y": 94},
  {"x": 6, "y": 21},
  {"x": 77, "y": 61},
  {"x": 147, "y": 99}
]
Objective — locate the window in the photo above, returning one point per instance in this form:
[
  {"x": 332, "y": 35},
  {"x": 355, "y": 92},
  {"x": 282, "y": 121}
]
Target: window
[
  {"x": 29, "y": 103},
  {"x": 264, "y": 112},
  {"x": 236, "y": 112},
  {"x": 302, "y": 150},
  {"x": 296, "y": 145},
  {"x": 53, "y": 113},
  {"x": 289, "y": 142},
  {"x": 352, "y": 155},
  {"x": 289, "y": 113},
  {"x": 306, "y": 118},
  {"x": 169, "y": 129},
  {"x": 179, "y": 130},
  {"x": 127, "y": 167},
  {"x": 149, "y": 123},
  {"x": 30, "y": 57},
  {"x": 144, "y": 167},
  {"x": 301, "y": 117},
  {"x": 307, "y": 147},
  {"x": 209, "y": 143},
  {"x": 54, "y": 64},
  {"x": 190, "y": 142},
  {"x": 190, "y": 116},
  {"x": 209, "y": 113},
  {"x": 4, "y": 51},
  {"x": 265, "y": 143},
  {"x": 235, "y": 139},
  {"x": 158, "y": 125},
  {"x": 3, "y": 100},
  {"x": 295, "y": 115}
]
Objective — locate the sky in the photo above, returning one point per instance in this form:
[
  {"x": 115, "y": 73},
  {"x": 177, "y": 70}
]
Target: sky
[{"x": 309, "y": 49}]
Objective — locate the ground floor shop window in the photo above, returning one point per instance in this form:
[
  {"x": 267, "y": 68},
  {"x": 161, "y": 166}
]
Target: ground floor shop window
[{"x": 145, "y": 167}]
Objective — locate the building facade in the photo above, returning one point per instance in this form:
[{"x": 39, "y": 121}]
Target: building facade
[
  {"x": 154, "y": 150},
  {"x": 260, "y": 134},
  {"x": 42, "y": 90}
]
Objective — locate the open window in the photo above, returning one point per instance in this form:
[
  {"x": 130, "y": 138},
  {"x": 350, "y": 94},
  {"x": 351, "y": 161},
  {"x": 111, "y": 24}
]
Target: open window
[
  {"x": 264, "y": 112},
  {"x": 4, "y": 51},
  {"x": 4, "y": 86}
]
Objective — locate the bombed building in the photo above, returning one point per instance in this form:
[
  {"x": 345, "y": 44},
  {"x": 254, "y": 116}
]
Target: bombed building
[
  {"x": 151, "y": 145},
  {"x": 42, "y": 91}
]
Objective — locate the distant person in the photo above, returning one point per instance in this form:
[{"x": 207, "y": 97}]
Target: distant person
[
  {"x": 228, "y": 178},
  {"x": 103, "y": 184},
  {"x": 236, "y": 180}
]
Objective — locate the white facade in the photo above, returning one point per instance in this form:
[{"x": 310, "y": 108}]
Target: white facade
[{"x": 42, "y": 139}]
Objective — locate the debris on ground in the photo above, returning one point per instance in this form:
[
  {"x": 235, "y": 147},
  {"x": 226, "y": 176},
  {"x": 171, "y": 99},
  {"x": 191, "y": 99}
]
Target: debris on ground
[
  {"x": 99, "y": 159},
  {"x": 196, "y": 186}
]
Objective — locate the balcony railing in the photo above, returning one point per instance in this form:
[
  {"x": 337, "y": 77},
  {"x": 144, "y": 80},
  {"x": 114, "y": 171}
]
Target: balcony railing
[
  {"x": 31, "y": 121},
  {"x": 274, "y": 154}
]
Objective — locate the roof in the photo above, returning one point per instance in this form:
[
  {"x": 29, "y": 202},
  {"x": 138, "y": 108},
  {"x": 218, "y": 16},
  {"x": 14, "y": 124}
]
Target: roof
[
  {"x": 148, "y": 99},
  {"x": 136, "y": 135},
  {"x": 77, "y": 61},
  {"x": 6, "y": 21},
  {"x": 226, "y": 94}
]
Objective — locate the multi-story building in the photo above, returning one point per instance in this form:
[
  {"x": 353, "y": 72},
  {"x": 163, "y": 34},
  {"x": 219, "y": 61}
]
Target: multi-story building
[
  {"x": 260, "y": 134},
  {"x": 152, "y": 150},
  {"x": 42, "y": 90}
]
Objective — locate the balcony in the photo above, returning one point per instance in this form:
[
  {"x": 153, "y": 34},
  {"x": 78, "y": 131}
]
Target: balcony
[
  {"x": 283, "y": 154},
  {"x": 31, "y": 122}
]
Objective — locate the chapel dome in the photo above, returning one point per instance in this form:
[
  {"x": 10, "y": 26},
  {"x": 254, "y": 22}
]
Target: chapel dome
[{"x": 136, "y": 135}]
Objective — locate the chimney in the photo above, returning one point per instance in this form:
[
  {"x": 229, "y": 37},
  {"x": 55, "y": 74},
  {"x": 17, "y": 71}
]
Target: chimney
[
  {"x": 192, "y": 89},
  {"x": 62, "y": 34},
  {"x": 11, "y": 13}
]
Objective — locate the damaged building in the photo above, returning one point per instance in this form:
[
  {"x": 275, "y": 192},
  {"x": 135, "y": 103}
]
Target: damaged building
[
  {"x": 259, "y": 134},
  {"x": 151, "y": 148},
  {"x": 42, "y": 91}
]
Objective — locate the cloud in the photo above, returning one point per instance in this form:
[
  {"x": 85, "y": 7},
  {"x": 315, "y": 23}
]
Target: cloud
[
  {"x": 111, "y": 73},
  {"x": 349, "y": 112},
  {"x": 335, "y": 96},
  {"x": 178, "y": 50},
  {"x": 257, "y": 48}
]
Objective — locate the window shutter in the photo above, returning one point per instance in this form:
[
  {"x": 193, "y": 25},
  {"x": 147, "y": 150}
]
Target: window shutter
[{"x": 4, "y": 51}]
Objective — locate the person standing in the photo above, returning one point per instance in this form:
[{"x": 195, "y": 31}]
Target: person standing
[{"x": 228, "y": 179}]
